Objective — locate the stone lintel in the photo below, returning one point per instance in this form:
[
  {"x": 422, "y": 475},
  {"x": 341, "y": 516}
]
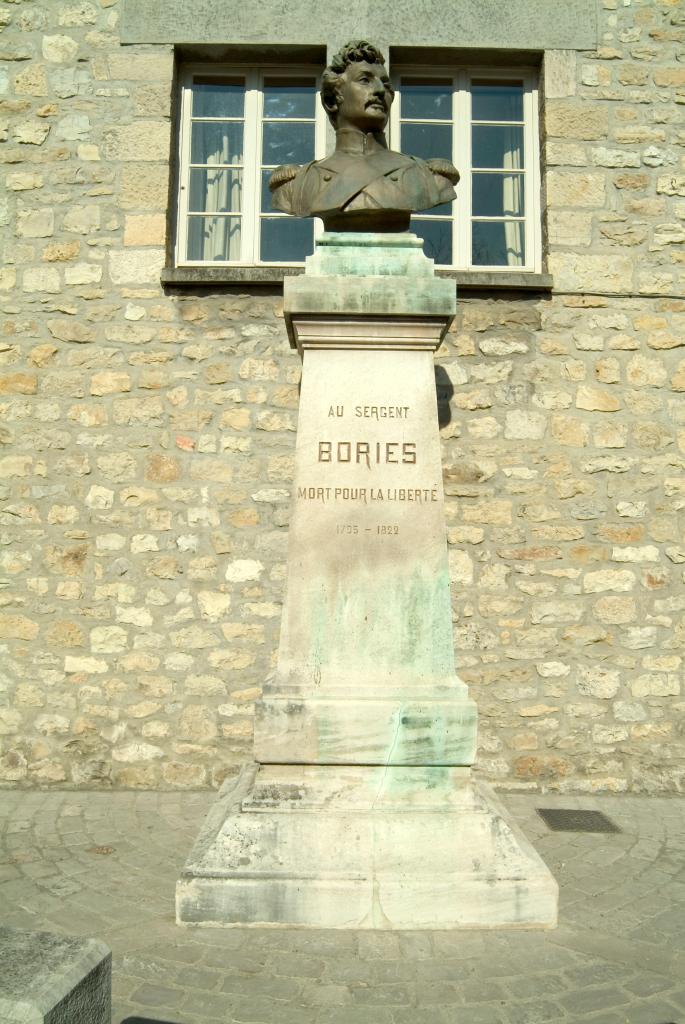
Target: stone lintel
[{"x": 472, "y": 24}]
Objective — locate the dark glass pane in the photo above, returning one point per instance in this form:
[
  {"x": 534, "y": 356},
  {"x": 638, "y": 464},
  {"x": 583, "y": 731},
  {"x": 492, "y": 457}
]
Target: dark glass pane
[
  {"x": 216, "y": 143},
  {"x": 286, "y": 239},
  {"x": 497, "y": 195},
  {"x": 215, "y": 191},
  {"x": 289, "y": 97},
  {"x": 427, "y": 140},
  {"x": 498, "y": 243},
  {"x": 426, "y": 98},
  {"x": 287, "y": 143},
  {"x": 218, "y": 97},
  {"x": 213, "y": 238},
  {"x": 266, "y": 206},
  {"x": 497, "y": 146},
  {"x": 496, "y": 100},
  {"x": 437, "y": 238},
  {"x": 444, "y": 210}
]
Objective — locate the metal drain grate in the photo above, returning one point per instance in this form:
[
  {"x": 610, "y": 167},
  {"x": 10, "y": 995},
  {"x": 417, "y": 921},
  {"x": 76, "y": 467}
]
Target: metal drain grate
[{"x": 563, "y": 820}]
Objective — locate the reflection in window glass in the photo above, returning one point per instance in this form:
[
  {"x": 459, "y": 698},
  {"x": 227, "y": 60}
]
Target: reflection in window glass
[
  {"x": 498, "y": 243},
  {"x": 437, "y": 238},
  {"x": 289, "y": 97},
  {"x": 496, "y": 100},
  {"x": 427, "y": 140},
  {"x": 444, "y": 210},
  {"x": 497, "y": 146},
  {"x": 215, "y": 191},
  {"x": 213, "y": 238},
  {"x": 218, "y": 97},
  {"x": 287, "y": 143},
  {"x": 286, "y": 239},
  {"x": 266, "y": 204},
  {"x": 214, "y": 142},
  {"x": 426, "y": 99},
  {"x": 236, "y": 128},
  {"x": 497, "y": 195}
]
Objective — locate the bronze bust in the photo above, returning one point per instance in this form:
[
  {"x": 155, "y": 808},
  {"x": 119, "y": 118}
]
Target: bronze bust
[{"x": 362, "y": 185}]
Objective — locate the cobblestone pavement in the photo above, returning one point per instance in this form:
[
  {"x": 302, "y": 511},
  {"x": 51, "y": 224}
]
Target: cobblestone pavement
[{"x": 105, "y": 864}]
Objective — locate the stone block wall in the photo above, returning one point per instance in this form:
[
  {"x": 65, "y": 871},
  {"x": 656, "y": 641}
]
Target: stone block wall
[{"x": 147, "y": 436}]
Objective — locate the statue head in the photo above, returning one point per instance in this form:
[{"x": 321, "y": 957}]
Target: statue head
[{"x": 355, "y": 88}]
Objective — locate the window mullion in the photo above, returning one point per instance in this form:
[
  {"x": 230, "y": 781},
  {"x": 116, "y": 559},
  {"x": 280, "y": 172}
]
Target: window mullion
[
  {"x": 464, "y": 209},
  {"x": 184, "y": 169},
  {"x": 533, "y": 189},
  {"x": 252, "y": 171},
  {"x": 320, "y": 122}
]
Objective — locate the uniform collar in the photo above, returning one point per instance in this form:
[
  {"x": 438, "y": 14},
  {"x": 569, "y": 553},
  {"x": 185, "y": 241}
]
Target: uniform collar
[{"x": 353, "y": 141}]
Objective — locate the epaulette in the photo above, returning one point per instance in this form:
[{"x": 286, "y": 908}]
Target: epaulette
[
  {"x": 445, "y": 168},
  {"x": 282, "y": 175}
]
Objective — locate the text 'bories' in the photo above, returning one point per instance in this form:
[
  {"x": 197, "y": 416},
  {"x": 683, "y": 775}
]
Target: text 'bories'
[{"x": 367, "y": 453}]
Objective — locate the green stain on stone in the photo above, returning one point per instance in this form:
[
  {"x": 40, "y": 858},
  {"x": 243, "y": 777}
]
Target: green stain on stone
[{"x": 385, "y": 623}]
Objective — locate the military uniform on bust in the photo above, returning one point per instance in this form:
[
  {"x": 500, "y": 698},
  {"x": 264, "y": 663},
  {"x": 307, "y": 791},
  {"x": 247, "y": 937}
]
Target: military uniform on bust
[{"x": 362, "y": 185}]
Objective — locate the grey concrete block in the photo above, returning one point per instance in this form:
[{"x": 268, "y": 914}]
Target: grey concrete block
[{"x": 54, "y": 979}]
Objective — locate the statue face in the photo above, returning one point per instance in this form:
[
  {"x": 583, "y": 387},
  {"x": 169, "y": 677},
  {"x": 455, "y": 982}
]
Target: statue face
[{"x": 364, "y": 97}]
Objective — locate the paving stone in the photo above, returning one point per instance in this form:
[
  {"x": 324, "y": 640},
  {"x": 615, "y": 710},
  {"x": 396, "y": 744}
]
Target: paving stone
[
  {"x": 654, "y": 1011},
  {"x": 197, "y": 977},
  {"x": 149, "y": 994},
  {"x": 550, "y": 984},
  {"x": 267, "y": 1011},
  {"x": 469, "y": 1014},
  {"x": 346, "y": 969},
  {"x": 382, "y": 995},
  {"x": 438, "y": 993},
  {"x": 294, "y": 965},
  {"x": 265, "y": 984},
  {"x": 592, "y": 974},
  {"x": 605, "y": 997},
  {"x": 534, "y": 1012},
  {"x": 590, "y": 968},
  {"x": 358, "y": 1015},
  {"x": 646, "y": 984},
  {"x": 607, "y": 1018},
  {"x": 326, "y": 994}
]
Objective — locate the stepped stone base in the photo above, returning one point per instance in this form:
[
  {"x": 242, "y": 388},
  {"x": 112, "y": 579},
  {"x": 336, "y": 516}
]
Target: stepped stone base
[{"x": 363, "y": 847}]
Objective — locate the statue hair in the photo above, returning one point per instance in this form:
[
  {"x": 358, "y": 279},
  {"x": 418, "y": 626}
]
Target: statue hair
[{"x": 355, "y": 50}]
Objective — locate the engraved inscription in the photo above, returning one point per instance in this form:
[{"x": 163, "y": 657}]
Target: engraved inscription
[
  {"x": 382, "y": 529},
  {"x": 381, "y": 412},
  {"x": 368, "y": 495},
  {"x": 366, "y": 453}
]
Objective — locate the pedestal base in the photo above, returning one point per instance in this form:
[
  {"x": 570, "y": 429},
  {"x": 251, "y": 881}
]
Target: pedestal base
[{"x": 363, "y": 847}]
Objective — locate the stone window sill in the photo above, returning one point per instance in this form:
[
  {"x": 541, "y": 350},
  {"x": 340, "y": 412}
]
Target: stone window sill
[{"x": 202, "y": 277}]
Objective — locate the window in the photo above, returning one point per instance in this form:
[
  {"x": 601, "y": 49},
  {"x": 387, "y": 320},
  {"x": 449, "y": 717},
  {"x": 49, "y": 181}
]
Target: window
[
  {"x": 486, "y": 123},
  {"x": 236, "y": 126}
]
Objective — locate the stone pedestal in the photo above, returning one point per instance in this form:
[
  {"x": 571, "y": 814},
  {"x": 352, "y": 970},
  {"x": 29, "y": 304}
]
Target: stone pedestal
[
  {"x": 363, "y": 847},
  {"x": 360, "y": 811}
]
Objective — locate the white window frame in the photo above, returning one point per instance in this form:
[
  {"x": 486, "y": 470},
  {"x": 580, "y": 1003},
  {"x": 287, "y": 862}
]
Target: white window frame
[
  {"x": 461, "y": 116},
  {"x": 252, "y": 156}
]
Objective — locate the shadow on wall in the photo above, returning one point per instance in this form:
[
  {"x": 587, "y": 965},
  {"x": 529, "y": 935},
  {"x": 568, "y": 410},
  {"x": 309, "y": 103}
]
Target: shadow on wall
[
  {"x": 444, "y": 392},
  {"x": 147, "y": 1020}
]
